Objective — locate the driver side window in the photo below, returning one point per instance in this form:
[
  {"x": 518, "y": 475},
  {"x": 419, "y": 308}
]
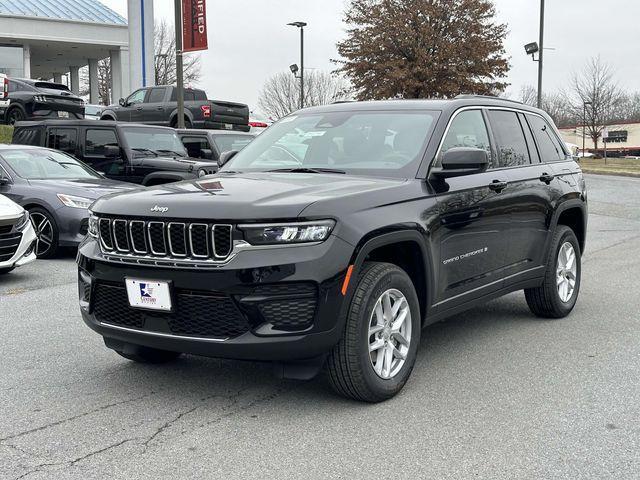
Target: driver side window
[
  {"x": 136, "y": 97},
  {"x": 467, "y": 130}
]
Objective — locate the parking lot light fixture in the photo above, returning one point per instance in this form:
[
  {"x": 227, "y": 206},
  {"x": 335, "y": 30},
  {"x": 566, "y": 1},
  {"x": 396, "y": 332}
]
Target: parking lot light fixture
[{"x": 301, "y": 26}]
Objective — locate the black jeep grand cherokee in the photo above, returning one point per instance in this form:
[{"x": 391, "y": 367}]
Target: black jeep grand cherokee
[{"x": 336, "y": 235}]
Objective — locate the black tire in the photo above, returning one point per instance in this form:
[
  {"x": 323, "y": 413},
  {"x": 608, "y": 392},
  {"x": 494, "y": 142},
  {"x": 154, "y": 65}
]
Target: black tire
[
  {"x": 108, "y": 119},
  {"x": 544, "y": 301},
  {"x": 15, "y": 114},
  {"x": 149, "y": 355},
  {"x": 174, "y": 122},
  {"x": 46, "y": 237},
  {"x": 5, "y": 270},
  {"x": 349, "y": 366}
]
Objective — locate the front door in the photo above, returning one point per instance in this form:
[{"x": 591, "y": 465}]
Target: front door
[
  {"x": 153, "y": 107},
  {"x": 95, "y": 141},
  {"x": 473, "y": 216}
]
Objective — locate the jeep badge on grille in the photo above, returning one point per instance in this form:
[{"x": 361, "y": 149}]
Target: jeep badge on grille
[{"x": 159, "y": 209}]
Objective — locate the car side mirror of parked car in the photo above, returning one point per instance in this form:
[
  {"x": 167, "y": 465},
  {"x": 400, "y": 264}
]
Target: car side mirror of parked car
[
  {"x": 122, "y": 102},
  {"x": 226, "y": 156},
  {"x": 4, "y": 181},
  {"x": 459, "y": 161},
  {"x": 206, "y": 153},
  {"x": 111, "y": 151}
]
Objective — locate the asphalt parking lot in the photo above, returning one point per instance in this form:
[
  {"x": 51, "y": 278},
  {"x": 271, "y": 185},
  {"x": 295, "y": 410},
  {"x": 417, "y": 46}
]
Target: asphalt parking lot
[{"x": 496, "y": 393}]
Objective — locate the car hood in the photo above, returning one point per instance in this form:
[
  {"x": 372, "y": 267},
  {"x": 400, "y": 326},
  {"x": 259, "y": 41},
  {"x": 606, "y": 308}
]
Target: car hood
[
  {"x": 91, "y": 188},
  {"x": 246, "y": 196},
  {"x": 8, "y": 208}
]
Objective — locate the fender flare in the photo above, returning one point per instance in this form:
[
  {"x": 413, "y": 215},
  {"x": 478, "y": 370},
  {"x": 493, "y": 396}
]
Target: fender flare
[
  {"x": 109, "y": 113},
  {"x": 187, "y": 114},
  {"x": 169, "y": 176},
  {"x": 370, "y": 243},
  {"x": 566, "y": 205}
]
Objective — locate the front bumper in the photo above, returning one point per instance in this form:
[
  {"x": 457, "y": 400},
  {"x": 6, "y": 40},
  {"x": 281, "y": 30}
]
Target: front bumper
[
  {"x": 257, "y": 305},
  {"x": 210, "y": 125},
  {"x": 72, "y": 225},
  {"x": 25, "y": 252}
]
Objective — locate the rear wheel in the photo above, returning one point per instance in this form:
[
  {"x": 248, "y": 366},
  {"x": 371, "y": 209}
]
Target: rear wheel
[
  {"x": 46, "y": 232},
  {"x": 557, "y": 296},
  {"x": 149, "y": 355},
  {"x": 373, "y": 360},
  {"x": 14, "y": 115}
]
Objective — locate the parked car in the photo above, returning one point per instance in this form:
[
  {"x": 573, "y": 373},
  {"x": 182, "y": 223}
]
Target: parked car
[
  {"x": 258, "y": 122},
  {"x": 209, "y": 144},
  {"x": 35, "y": 99},
  {"x": 93, "y": 112},
  {"x": 397, "y": 215},
  {"x": 158, "y": 106},
  {"x": 121, "y": 151},
  {"x": 56, "y": 189},
  {"x": 17, "y": 235}
]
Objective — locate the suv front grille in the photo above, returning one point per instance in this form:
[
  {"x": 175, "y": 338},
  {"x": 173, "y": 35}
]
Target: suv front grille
[{"x": 175, "y": 240}]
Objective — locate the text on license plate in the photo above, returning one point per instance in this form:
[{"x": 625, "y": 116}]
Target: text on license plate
[{"x": 150, "y": 294}]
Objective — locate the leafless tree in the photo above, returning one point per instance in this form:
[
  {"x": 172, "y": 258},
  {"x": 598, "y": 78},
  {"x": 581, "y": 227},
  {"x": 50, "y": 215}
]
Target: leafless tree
[
  {"x": 556, "y": 104},
  {"x": 280, "y": 94},
  {"x": 104, "y": 81},
  {"x": 165, "y": 57},
  {"x": 604, "y": 99}
]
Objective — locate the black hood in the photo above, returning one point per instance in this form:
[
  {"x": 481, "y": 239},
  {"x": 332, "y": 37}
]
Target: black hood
[{"x": 248, "y": 196}]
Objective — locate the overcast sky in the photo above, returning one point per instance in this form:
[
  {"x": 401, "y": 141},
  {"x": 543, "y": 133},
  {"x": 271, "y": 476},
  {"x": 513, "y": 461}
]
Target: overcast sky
[{"x": 249, "y": 40}]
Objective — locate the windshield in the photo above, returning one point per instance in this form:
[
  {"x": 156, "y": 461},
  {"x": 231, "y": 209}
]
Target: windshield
[
  {"x": 46, "y": 164},
  {"x": 143, "y": 140},
  {"x": 92, "y": 110},
  {"x": 225, "y": 143},
  {"x": 385, "y": 143}
]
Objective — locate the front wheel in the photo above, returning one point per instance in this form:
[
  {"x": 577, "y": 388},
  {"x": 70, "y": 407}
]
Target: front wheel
[
  {"x": 377, "y": 352},
  {"x": 46, "y": 232},
  {"x": 557, "y": 295}
]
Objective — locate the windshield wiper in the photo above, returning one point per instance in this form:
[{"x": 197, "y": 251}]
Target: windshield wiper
[
  {"x": 170, "y": 151},
  {"x": 144, "y": 150},
  {"x": 307, "y": 170}
]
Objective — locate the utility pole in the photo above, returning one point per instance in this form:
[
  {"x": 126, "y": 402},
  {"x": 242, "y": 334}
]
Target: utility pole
[
  {"x": 179, "y": 67},
  {"x": 540, "y": 53}
]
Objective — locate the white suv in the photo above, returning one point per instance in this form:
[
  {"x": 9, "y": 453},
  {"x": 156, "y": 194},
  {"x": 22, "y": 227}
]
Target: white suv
[{"x": 17, "y": 236}]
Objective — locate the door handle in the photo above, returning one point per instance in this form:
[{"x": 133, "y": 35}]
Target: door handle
[
  {"x": 498, "y": 185},
  {"x": 546, "y": 178},
  {"x": 139, "y": 109},
  {"x": 159, "y": 108}
]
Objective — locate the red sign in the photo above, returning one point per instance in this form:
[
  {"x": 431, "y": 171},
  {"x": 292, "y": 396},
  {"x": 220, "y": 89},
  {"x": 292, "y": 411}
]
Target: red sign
[{"x": 194, "y": 25}]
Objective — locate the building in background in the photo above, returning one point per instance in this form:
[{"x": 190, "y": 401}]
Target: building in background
[
  {"x": 623, "y": 139},
  {"x": 50, "y": 39}
]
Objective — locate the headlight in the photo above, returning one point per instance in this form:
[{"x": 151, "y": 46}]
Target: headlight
[
  {"x": 75, "y": 202},
  {"x": 280, "y": 233},
  {"x": 23, "y": 221},
  {"x": 202, "y": 172},
  {"x": 93, "y": 225}
]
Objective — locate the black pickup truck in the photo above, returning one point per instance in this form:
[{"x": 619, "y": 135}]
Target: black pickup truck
[
  {"x": 158, "y": 106},
  {"x": 128, "y": 152}
]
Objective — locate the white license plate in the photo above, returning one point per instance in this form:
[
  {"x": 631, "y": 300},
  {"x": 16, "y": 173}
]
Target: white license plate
[
  {"x": 149, "y": 294},
  {"x": 63, "y": 114},
  {"x": 228, "y": 126}
]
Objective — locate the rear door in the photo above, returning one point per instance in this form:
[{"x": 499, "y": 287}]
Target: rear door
[
  {"x": 154, "y": 107},
  {"x": 473, "y": 217}
]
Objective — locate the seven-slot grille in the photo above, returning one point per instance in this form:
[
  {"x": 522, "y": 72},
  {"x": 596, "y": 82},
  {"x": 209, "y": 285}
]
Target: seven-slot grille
[{"x": 180, "y": 240}]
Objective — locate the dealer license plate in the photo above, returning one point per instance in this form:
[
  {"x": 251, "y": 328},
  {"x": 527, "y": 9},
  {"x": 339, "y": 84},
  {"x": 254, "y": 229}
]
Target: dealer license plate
[{"x": 149, "y": 294}]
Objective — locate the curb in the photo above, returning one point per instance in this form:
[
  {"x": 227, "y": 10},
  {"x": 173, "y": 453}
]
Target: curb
[{"x": 615, "y": 173}]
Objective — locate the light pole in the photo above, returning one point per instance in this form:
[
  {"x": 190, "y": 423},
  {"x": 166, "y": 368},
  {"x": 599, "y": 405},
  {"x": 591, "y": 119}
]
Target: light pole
[
  {"x": 538, "y": 47},
  {"x": 301, "y": 26},
  {"x": 584, "y": 121},
  {"x": 179, "y": 72}
]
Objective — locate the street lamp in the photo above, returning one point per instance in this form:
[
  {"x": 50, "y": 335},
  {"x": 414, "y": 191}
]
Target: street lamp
[
  {"x": 584, "y": 121},
  {"x": 538, "y": 47},
  {"x": 301, "y": 26}
]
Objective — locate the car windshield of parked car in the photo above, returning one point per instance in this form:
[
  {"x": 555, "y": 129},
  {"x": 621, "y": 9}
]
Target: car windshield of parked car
[
  {"x": 155, "y": 141},
  {"x": 46, "y": 164},
  {"x": 225, "y": 143},
  {"x": 384, "y": 143}
]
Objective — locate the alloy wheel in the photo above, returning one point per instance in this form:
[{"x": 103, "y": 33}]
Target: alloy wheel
[
  {"x": 389, "y": 333},
  {"x": 44, "y": 233},
  {"x": 566, "y": 271}
]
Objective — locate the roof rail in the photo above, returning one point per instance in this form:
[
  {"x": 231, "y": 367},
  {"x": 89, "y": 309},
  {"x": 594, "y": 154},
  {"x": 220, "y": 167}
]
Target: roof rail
[
  {"x": 492, "y": 97},
  {"x": 342, "y": 101}
]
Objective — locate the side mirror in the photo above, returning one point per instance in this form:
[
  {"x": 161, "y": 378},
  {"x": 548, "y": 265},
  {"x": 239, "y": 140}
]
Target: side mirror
[
  {"x": 459, "y": 161},
  {"x": 226, "y": 156},
  {"x": 206, "y": 153},
  {"x": 122, "y": 102},
  {"x": 111, "y": 151},
  {"x": 4, "y": 181}
]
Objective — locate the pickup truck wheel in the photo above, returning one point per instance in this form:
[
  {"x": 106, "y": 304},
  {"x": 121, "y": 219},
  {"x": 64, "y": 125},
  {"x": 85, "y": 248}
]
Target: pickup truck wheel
[
  {"x": 377, "y": 352},
  {"x": 557, "y": 295},
  {"x": 150, "y": 355}
]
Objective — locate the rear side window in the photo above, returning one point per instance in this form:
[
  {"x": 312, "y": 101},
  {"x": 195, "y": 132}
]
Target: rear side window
[
  {"x": 189, "y": 96},
  {"x": 64, "y": 139},
  {"x": 510, "y": 142},
  {"x": 156, "y": 95},
  {"x": 27, "y": 136},
  {"x": 97, "y": 139},
  {"x": 548, "y": 145},
  {"x": 467, "y": 130},
  {"x": 194, "y": 145},
  {"x": 199, "y": 95}
]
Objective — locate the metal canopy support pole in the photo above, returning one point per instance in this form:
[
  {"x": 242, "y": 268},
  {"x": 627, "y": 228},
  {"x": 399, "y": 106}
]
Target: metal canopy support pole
[{"x": 179, "y": 67}]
